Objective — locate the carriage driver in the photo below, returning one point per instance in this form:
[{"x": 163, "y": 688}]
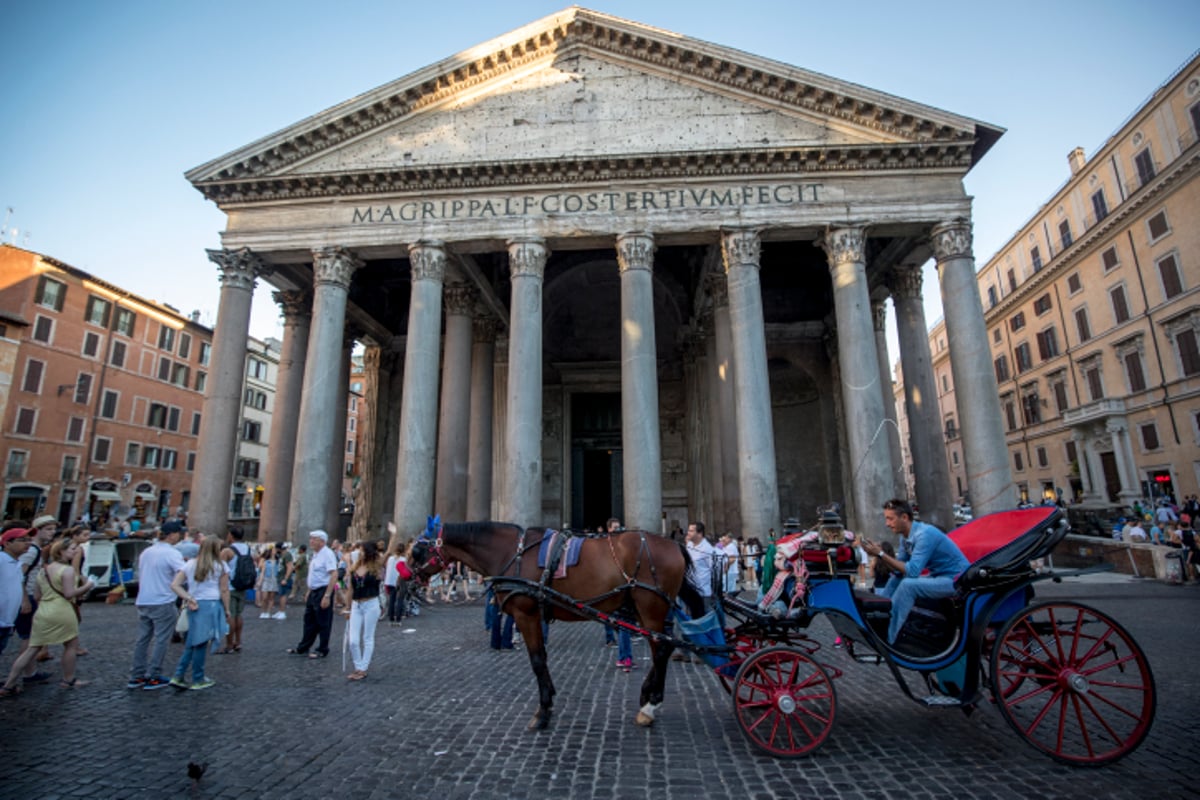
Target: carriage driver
[{"x": 922, "y": 547}]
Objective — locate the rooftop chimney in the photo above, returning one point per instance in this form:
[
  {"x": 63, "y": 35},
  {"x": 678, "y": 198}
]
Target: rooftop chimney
[
  {"x": 1077, "y": 160},
  {"x": 196, "y": 316}
]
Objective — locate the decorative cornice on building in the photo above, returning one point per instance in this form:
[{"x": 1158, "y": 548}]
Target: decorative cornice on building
[
  {"x": 951, "y": 239},
  {"x": 527, "y": 258},
  {"x": 294, "y": 306},
  {"x": 428, "y": 261},
  {"x": 741, "y": 248},
  {"x": 635, "y": 251},
  {"x": 922, "y": 133},
  {"x": 238, "y": 268},
  {"x": 334, "y": 265},
  {"x": 844, "y": 244},
  {"x": 459, "y": 299}
]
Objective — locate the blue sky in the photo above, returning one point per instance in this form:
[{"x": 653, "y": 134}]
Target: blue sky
[{"x": 109, "y": 103}]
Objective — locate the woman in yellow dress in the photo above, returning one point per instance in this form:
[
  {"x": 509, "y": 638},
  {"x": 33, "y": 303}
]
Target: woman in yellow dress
[{"x": 54, "y": 622}]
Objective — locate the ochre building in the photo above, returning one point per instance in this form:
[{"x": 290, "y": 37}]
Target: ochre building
[{"x": 600, "y": 268}]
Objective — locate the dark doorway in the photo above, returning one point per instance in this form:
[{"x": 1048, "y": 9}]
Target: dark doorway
[
  {"x": 1112, "y": 480},
  {"x": 597, "y": 489}
]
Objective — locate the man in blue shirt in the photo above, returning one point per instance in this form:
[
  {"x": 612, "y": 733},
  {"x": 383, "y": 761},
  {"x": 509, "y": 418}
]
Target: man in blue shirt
[{"x": 922, "y": 547}]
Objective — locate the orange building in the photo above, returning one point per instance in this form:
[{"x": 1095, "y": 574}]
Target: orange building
[{"x": 100, "y": 395}]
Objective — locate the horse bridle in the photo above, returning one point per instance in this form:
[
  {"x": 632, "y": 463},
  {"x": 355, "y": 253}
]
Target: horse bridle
[{"x": 437, "y": 560}]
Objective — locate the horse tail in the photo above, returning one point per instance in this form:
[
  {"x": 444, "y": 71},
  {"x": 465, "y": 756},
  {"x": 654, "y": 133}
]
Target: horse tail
[{"x": 687, "y": 592}]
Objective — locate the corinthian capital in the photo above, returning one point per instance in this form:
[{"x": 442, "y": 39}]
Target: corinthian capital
[
  {"x": 428, "y": 260},
  {"x": 905, "y": 283},
  {"x": 238, "y": 268},
  {"x": 484, "y": 328},
  {"x": 294, "y": 305},
  {"x": 951, "y": 240},
  {"x": 635, "y": 251},
  {"x": 527, "y": 258},
  {"x": 844, "y": 245},
  {"x": 459, "y": 299},
  {"x": 740, "y": 248},
  {"x": 718, "y": 289},
  {"x": 334, "y": 265}
]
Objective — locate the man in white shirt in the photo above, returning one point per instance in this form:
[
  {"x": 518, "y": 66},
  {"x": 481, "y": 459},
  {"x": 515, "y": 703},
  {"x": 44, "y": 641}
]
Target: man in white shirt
[
  {"x": 705, "y": 558},
  {"x": 13, "y": 544},
  {"x": 318, "y": 607},
  {"x": 156, "y": 610}
]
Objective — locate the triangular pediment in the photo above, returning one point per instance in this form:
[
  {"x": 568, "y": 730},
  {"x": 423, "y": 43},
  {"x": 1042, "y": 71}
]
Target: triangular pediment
[{"x": 603, "y": 94}]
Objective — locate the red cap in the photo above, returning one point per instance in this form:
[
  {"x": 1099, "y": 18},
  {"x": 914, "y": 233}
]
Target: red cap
[{"x": 15, "y": 533}]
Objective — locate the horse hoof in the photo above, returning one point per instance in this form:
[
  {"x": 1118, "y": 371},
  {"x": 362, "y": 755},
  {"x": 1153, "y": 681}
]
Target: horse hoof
[
  {"x": 643, "y": 719},
  {"x": 537, "y": 723}
]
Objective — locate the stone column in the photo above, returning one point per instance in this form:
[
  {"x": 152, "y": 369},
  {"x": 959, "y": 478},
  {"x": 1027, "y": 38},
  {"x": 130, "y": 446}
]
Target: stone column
[
  {"x": 858, "y": 362},
  {"x": 1123, "y": 455},
  {"x": 1099, "y": 483},
  {"x": 221, "y": 413},
  {"x": 388, "y": 401},
  {"x": 895, "y": 449},
  {"x": 989, "y": 475},
  {"x": 285, "y": 417},
  {"x": 522, "y": 502},
  {"x": 333, "y": 269},
  {"x": 365, "y": 524},
  {"x": 925, "y": 439},
  {"x": 337, "y": 455},
  {"x": 726, "y": 368},
  {"x": 1085, "y": 467},
  {"x": 715, "y": 424},
  {"x": 454, "y": 421},
  {"x": 757, "y": 481},
  {"x": 418, "y": 411},
  {"x": 640, "y": 437},
  {"x": 499, "y": 429},
  {"x": 695, "y": 377},
  {"x": 479, "y": 457}
]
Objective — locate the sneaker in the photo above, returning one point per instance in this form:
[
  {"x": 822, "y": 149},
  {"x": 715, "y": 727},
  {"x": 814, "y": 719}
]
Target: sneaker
[
  {"x": 135, "y": 683},
  {"x": 152, "y": 684},
  {"x": 178, "y": 683},
  {"x": 206, "y": 683},
  {"x": 625, "y": 664},
  {"x": 279, "y": 615},
  {"x": 37, "y": 677},
  {"x": 265, "y": 615}
]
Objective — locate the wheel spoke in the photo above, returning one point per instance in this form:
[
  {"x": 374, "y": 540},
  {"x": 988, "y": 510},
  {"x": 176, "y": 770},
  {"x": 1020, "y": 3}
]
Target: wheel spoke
[
  {"x": 1109, "y": 665},
  {"x": 1114, "y": 705},
  {"x": 1083, "y": 729}
]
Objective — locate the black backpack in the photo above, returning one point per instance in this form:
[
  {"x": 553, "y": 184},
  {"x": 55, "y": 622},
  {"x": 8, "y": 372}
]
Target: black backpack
[{"x": 243, "y": 572}]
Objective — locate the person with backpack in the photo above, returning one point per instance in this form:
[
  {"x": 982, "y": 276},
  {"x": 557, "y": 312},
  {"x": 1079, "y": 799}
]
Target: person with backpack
[{"x": 242, "y": 577}]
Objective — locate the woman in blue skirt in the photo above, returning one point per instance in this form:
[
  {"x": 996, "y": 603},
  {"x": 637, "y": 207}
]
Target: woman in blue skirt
[{"x": 207, "y": 598}]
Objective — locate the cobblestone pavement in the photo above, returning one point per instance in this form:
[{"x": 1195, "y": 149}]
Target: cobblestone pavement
[{"x": 441, "y": 715}]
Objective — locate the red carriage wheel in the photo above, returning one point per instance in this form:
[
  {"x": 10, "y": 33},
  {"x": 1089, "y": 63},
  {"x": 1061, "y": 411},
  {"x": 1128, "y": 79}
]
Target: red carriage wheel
[
  {"x": 784, "y": 702},
  {"x": 1073, "y": 683}
]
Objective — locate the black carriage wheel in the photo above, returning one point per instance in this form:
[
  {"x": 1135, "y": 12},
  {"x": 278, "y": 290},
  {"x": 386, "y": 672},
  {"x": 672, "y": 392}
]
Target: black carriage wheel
[
  {"x": 784, "y": 702},
  {"x": 1073, "y": 683}
]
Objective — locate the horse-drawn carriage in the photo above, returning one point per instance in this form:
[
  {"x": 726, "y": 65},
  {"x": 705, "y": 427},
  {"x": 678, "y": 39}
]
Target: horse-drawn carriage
[{"x": 1066, "y": 677}]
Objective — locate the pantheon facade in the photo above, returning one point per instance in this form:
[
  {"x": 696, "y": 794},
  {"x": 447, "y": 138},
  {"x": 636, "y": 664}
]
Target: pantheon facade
[{"x": 602, "y": 269}]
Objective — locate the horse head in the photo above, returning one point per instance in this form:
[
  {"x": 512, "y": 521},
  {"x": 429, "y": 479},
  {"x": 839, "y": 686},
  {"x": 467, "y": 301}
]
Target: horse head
[{"x": 427, "y": 557}]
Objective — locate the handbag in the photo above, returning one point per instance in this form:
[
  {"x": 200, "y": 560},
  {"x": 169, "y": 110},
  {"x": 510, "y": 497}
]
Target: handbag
[{"x": 181, "y": 623}]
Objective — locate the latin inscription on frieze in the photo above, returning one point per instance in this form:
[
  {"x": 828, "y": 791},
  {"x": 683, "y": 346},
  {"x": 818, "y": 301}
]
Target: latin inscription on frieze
[{"x": 549, "y": 204}]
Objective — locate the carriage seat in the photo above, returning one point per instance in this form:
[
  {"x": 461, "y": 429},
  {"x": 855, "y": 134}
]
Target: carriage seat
[{"x": 1002, "y": 544}]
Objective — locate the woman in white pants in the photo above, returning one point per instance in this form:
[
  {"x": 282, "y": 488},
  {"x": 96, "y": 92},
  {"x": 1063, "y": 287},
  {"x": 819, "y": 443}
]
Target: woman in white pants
[{"x": 362, "y": 598}]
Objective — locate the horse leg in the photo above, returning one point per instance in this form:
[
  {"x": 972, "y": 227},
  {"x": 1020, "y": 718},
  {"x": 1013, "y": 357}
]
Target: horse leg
[
  {"x": 653, "y": 687},
  {"x": 530, "y": 626}
]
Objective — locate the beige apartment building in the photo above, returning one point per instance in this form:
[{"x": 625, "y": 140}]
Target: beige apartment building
[{"x": 1093, "y": 315}]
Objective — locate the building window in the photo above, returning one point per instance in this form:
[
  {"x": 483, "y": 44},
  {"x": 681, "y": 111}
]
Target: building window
[
  {"x": 181, "y": 375},
  {"x": 205, "y": 353},
  {"x": 191, "y": 462},
  {"x": 1031, "y": 409},
  {"x": 1060, "y": 395},
  {"x": 992, "y": 298},
  {"x": 83, "y": 388},
  {"x": 195, "y": 423},
  {"x": 157, "y": 418},
  {"x": 133, "y": 454},
  {"x": 1064, "y": 232},
  {"x": 1072, "y": 455},
  {"x": 1042, "y": 304},
  {"x": 251, "y": 430},
  {"x": 170, "y": 459},
  {"x": 118, "y": 354},
  {"x": 1157, "y": 226},
  {"x": 1099, "y": 205},
  {"x": 247, "y": 467},
  {"x": 101, "y": 449},
  {"x": 32, "y": 382},
  {"x": 1010, "y": 411},
  {"x": 43, "y": 329},
  {"x": 1119, "y": 304},
  {"x": 1001, "y": 365},
  {"x": 108, "y": 405},
  {"x": 350, "y": 447},
  {"x": 75, "y": 430},
  {"x": 150, "y": 457},
  {"x": 1095, "y": 382},
  {"x": 1168, "y": 271},
  {"x": 1082, "y": 326},
  {"x": 1024, "y": 358},
  {"x": 997, "y": 336},
  {"x": 1047, "y": 344},
  {"x": 256, "y": 399},
  {"x": 1189, "y": 353},
  {"x": 354, "y": 400},
  {"x": 1042, "y": 459},
  {"x": 352, "y": 422},
  {"x": 1012, "y": 280},
  {"x": 356, "y": 387},
  {"x": 954, "y": 458},
  {"x": 1149, "y": 436},
  {"x": 185, "y": 345},
  {"x": 125, "y": 322},
  {"x": 1110, "y": 259},
  {"x": 257, "y": 369},
  {"x": 173, "y": 418},
  {"x": 164, "y": 367},
  {"x": 166, "y": 338},
  {"x": 25, "y": 422},
  {"x": 97, "y": 311},
  {"x": 91, "y": 344},
  {"x": 1145, "y": 166},
  {"x": 201, "y": 380},
  {"x": 951, "y": 429},
  {"x": 70, "y": 469},
  {"x": 1073, "y": 283},
  {"x": 945, "y": 389},
  {"x": 51, "y": 293},
  {"x": 1019, "y": 461},
  {"x": 1035, "y": 257},
  {"x": 1017, "y": 322},
  {"x": 17, "y": 461},
  {"x": 1133, "y": 370}
]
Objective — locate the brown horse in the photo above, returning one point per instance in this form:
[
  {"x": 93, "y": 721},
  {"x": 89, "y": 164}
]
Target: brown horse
[{"x": 638, "y": 573}]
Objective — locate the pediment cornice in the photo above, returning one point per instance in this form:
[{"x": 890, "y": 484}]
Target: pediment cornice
[{"x": 915, "y": 127}]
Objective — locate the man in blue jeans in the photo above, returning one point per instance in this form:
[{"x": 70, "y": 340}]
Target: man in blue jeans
[
  {"x": 922, "y": 548},
  {"x": 156, "y": 609}
]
